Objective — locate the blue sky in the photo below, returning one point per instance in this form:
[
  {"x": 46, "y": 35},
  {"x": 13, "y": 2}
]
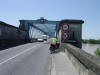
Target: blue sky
[{"x": 88, "y": 10}]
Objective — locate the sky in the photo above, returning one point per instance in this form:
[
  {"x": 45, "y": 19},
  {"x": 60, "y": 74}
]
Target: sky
[{"x": 11, "y": 11}]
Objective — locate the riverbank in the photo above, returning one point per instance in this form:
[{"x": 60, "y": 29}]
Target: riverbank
[
  {"x": 91, "y": 41},
  {"x": 90, "y": 48}
]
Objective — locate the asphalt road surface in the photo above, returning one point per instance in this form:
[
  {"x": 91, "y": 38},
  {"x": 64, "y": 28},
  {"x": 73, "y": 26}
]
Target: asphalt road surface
[{"x": 27, "y": 59}]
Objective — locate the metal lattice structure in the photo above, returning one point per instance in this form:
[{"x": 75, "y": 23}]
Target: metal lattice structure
[{"x": 36, "y": 28}]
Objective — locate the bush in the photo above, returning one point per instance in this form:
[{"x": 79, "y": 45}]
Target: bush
[
  {"x": 92, "y": 41},
  {"x": 97, "y": 52}
]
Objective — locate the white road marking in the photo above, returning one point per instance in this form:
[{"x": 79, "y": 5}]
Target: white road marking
[{"x": 19, "y": 54}]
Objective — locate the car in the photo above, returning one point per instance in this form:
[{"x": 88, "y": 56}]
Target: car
[{"x": 40, "y": 40}]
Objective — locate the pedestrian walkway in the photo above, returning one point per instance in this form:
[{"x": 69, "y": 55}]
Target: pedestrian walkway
[{"x": 61, "y": 65}]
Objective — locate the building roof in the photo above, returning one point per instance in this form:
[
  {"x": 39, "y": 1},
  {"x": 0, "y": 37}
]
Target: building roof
[
  {"x": 5, "y": 24},
  {"x": 70, "y": 21}
]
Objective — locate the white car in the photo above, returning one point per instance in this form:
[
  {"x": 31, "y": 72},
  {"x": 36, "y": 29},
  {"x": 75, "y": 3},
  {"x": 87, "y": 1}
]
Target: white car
[{"x": 40, "y": 40}]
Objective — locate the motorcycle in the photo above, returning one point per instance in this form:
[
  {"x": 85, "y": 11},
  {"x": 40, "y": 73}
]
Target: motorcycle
[
  {"x": 52, "y": 48},
  {"x": 57, "y": 45}
]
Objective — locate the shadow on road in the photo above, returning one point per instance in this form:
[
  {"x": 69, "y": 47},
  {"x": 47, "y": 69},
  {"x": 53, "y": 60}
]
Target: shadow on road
[
  {"x": 59, "y": 50},
  {"x": 10, "y": 45}
]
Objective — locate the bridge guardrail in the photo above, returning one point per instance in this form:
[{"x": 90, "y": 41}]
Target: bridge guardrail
[{"x": 85, "y": 63}]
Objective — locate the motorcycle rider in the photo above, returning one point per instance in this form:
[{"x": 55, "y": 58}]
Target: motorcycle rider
[
  {"x": 53, "y": 43},
  {"x": 57, "y": 44}
]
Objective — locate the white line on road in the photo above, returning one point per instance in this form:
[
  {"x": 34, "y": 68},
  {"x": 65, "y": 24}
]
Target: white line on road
[{"x": 19, "y": 54}]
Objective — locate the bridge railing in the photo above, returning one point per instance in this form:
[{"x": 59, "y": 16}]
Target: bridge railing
[{"x": 85, "y": 63}]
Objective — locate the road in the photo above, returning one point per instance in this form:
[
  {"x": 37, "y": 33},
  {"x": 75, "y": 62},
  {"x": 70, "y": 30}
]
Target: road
[
  {"x": 27, "y": 59},
  {"x": 34, "y": 59}
]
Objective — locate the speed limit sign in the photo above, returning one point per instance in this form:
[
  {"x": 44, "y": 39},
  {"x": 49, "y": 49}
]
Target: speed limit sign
[
  {"x": 65, "y": 26},
  {"x": 65, "y": 36}
]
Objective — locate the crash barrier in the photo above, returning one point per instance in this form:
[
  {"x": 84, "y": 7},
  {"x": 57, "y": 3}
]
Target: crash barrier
[{"x": 85, "y": 63}]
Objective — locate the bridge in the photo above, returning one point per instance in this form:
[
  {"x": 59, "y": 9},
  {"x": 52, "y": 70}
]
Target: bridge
[{"x": 35, "y": 58}]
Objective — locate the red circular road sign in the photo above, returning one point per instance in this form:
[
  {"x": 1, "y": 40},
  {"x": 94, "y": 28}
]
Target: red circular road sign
[
  {"x": 65, "y": 36},
  {"x": 42, "y": 20},
  {"x": 65, "y": 26}
]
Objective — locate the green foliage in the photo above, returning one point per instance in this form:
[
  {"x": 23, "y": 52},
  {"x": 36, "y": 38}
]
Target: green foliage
[
  {"x": 92, "y": 41},
  {"x": 84, "y": 41},
  {"x": 97, "y": 52}
]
